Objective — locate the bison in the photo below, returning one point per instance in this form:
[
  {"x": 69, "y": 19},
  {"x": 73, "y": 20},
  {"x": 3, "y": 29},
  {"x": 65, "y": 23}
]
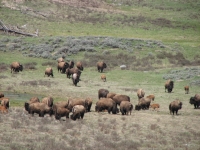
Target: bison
[
  {"x": 106, "y": 104},
  {"x": 100, "y": 66},
  {"x": 76, "y": 101},
  {"x": 62, "y": 66},
  {"x": 75, "y": 79},
  {"x": 175, "y": 106},
  {"x": 5, "y": 102},
  {"x": 103, "y": 77},
  {"x": 143, "y": 103},
  {"x": 126, "y": 107},
  {"x": 48, "y": 100},
  {"x": 79, "y": 65},
  {"x": 140, "y": 93},
  {"x": 186, "y": 88},
  {"x": 102, "y": 93},
  {"x": 16, "y": 67},
  {"x": 151, "y": 96},
  {"x": 119, "y": 98},
  {"x": 71, "y": 71},
  {"x": 71, "y": 64},
  {"x": 32, "y": 100},
  {"x": 48, "y": 72},
  {"x": 40, "y": 108},
  {"x": 88, "y": 100},
  {"x": 195, "y": 101},
  {"x": 154, "y": 106},
  {"x": 169, "y": 85},
  {"x": 60, "y": 59},
  {"x": 62, "y": 104},
  {"x": 78, "y": 112},
  {"x": 61, "y": 112},
  {"x": 111, "y": 95}
]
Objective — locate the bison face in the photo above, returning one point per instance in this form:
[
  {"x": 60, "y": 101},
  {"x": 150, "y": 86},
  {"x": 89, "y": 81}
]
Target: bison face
[
  {"x": 26, "y": 106},
  {"x": 20, "y": 68},
  {"x": 137, "y": 107},
  {"x": 192, "y": 100}
]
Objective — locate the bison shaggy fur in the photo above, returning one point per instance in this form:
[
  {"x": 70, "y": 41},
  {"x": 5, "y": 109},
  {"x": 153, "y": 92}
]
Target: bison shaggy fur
[
  {"x": 106, "y": 104},
  {"x": 126, "y": 107},
  {"x": 175, "y": 106}
]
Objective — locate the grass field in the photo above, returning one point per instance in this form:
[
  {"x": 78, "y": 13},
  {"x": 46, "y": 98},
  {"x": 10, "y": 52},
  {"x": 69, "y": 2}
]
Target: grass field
[{"x": 156, "y": 40}]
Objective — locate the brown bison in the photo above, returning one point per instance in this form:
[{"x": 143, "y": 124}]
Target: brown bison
[
  {"x": 143, "y": 103},
  {"x": 78, "y": 112},
  {"x": 111, "y": 95},
  {"x": 102, "y": 93},
  {"x": 151, "y": 96},
  {"x": 103, "y": 77},
  {"x": 169, "y": 85},
  {"x": 106, "y": 104},
  {"x": 75, "y": 79},
  {"x": 195, "y": 101},
  {"x": 40, "y": 108},
  {"x": 100, "y": 66},
  {"x": 154, "y": 106},
  {"x": 62, "y": 104},
  {"x": 126, "y": 107},
  {"x": 71, "y": 64},
  {"x": 71, "y": 71},
  {"x": 186, "y": 88},
  {"x": 48, "y": 72},
  {"x": 175, "y": 106},
  {"x": 88, "y": 100},
  {"x": 1, "y": 95},
  {"x": 76, "y": 101},
  {"x": 48, "y": 100},
  {"x": 3, "y": 109},
  {"x": 119, "y": 98},
  {"x": 32, "y": 100},
  {"x": 60, "y": 59},
  {"x": 62, "y": 66},
  {"x": 16, "y": 67},
  {"x": 61, "y": 112},
  {"x": 140, "y": 93},
  {"x": 5, "y": 102},
  {"x": 79, "y": 65}
]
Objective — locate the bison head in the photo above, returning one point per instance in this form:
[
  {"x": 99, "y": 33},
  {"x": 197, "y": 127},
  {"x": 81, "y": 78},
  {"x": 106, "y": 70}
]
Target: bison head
[
  {"x": 192, "y": 100},
  {"x": 26, "y": 106},
  {"x": 104, "y": 65},
  {"x": 137, "y": 107}
]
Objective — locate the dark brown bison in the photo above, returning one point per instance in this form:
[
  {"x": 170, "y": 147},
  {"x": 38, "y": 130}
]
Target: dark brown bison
[
  {"x": 102, "y": 93},
  {"x": 195, "y": 101},
  {"x": 78, "y": 112},
  {"x": 143, "y": 103},
  {"x": 106, "y": 104},
  {"x": 169, "y": 85},
  {"x": 71, "y": 64},
  {"x": 79, "y": 65},
  {"x": 3, "y": 109},
  {"x": 40, "y": 108},
  {"x": 60, "y": 59},
  {"x": 88, "y": 100},
  {"x": 61, "y": 112},
  {"x": 62, "y": 66},
  {"x": 5, "y": 102},
  {"x": 32, "y": 100},
  {"x": 1, "y": 95},
  {"x": 16, "y": 67},
  {"x": 100, "y": 66},
  {"x": 48, "y": 100},
  {"x": 71, "y": 71},
  {"x": 111, "y": 95},
  {"x": 103, "y": 77},
  {"x": 186, "y": 88},
  {"x": 76, "y": 101},
  {"x": 175, "y": 106},
  {"x": 75, "y": 79},
  {"x": 140, "y": 93},
  {"x": 154, "y": 106},
  {"x": 126, "y": 107},
  {"x": 151, "y": 96},
  {"x": 119, "y": 98},
  {"x": 48, "y": 72}
]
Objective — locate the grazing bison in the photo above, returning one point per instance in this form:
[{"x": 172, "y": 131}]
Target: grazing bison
[
  {"x": 154, "y": 106},
  {"x": 103, "y": 77},
  {"x": 48, "y": 72},
  {"x": 75, "y": 79},
  {"x": 126, "y": 107},
  {"x": 3, "y": 109},
  {"x": 71, "y": 71},
  {"x": 48, "y": 100},
  {"x": 106, "y": 104},
  {"x": 88, "y": 100},
  {"x": 175, "y": 106},
  {"x": 71, "y": 64},
  {"x": 186, "y": 88},
  {"x": 100, "y": 66},
  {"x": 40, "y": 108},
  {"x": 62, "y": 66},
  {"x": 1, "y": 95},
  {"x": 111, "y": 95},
  {"x": 32, "y": 100},
  {"x": 5, "y": 102},
  {"x": 169, "y": 85},
  {"x": 151, "y": 96},
  {"x": 61, "y": 112},
  {"x": 102, "y": 93},
  {"x": 16, "y": 67},
  {"x": 119, "y": 98},
  {"x": 143, "y": 103},
  {"x": 79, "y": 65},
  {"x": 76, "y": 101},
  {"x": 78, "y": 112},
  {"x": 195, "y": 101},
  {"x": 60, "y": 59},
  {"x": 140, "y": 93}
]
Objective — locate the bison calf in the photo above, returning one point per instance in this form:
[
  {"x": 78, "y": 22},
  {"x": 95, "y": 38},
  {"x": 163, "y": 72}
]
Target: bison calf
[
  {"x": 154, "y": 106},
  {"x": 186, "y": 88}
]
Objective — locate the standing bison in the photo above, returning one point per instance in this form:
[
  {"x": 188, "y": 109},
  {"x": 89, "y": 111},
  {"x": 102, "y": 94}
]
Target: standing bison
[
  {"x": 195, "y": 101},
  {"x": 75, "y": 79},
  {"x": 143, "y": 103},
  {"x": 79, "y": 65},
  {"x": 175, "y": 106},
  {"x": 71, "y": 64},
  {"x": 102, "y": 93},
  {"x": 106, "y": 104},
  {"x": 140, "y": 93},
  {"x": 61, "y": 112},
  {"x": 76, "y": 101},
  {"x": 62, "y": 104},
  {"x": 119, "y": 98},
  {"x": 48, "y": 100},
  {"x": 169, "y": 85},
  {"x": 71, "y": 71},
  {"x": 60, "y": 59},
  {"x": 126, "y": 107},
  {"x": 186, "y": 88},
  {"x": 100, "y": 66},
  {"x": 78, "y": 112},
  {"x": 103, "y": 77},
  {"x": 62, "y": 66},
  {"x": 5, "y": 102},
  {"x": 40, "y": 108},
  {"x": 111, "y": 95},
  {"x": 88, "y": 101},
  {"x": 16, "y": 67},
  {"x": 32, "y": 100},
  {"x": 48, "y": 72}
]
